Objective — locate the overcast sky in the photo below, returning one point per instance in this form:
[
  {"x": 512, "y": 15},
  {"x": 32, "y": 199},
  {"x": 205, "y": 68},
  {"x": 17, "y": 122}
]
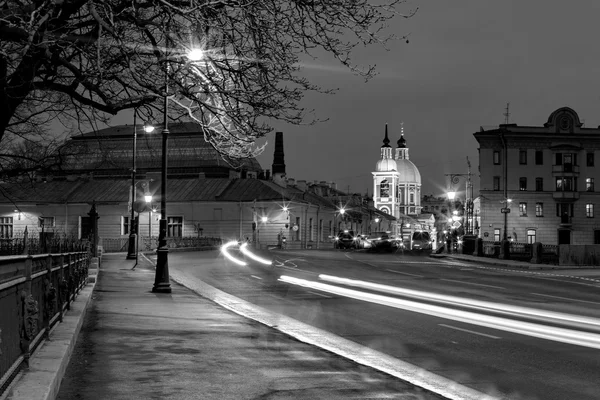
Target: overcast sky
[{"x": 466, "y": 59}]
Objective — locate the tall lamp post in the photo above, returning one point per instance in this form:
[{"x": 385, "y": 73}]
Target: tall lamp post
[
  {"x": 132, "y": 249},
  {"x": 468, "y": 198},
  {"x": 161, "y": 277}
]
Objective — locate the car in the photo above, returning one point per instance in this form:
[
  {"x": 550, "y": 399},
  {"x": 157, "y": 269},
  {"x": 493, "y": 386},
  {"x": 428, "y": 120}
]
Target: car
[
  {"x": 381, "y": 241},
  {"x": 421, "y": 241},
  {"x": 345, "y": 240}
]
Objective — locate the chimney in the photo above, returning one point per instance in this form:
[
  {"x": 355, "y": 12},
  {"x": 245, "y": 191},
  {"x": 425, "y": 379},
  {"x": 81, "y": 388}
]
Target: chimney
[
  {"x": 291, "y": 181},
  {"x": 278, "y": 161},
  {"x": 302, "y": 185},
  {"x": 332, "y": 185}
]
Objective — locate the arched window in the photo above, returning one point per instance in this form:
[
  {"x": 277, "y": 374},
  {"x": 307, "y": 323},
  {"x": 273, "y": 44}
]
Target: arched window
[{"x": 384, "y": 188}]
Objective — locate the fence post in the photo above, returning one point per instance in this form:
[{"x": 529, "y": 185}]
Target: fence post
[{"x": 29, "y": 314}]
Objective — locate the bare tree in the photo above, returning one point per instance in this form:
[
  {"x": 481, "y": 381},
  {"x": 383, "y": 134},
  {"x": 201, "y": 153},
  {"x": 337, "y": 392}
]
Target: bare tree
[{"x": 81, "y": 61}]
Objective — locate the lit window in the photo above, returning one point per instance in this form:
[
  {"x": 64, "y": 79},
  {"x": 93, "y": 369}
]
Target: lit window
[
  {"x": 589, "y": 210},
  {"x": 530, "y": 236},
  {"x": 496, "y": 235},
  {"x": 539, "y": 209},
  {"x": 46, "y": 222},
  {"x": 589, "y": 184},
  {"x": 523, "y": 209}
]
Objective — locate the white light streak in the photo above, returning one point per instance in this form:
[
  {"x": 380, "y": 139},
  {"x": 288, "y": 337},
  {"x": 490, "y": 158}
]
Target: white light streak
[
  {"x": 564, "y": 335},
  {"x": 523, "y": 312},
  {"x": 248, "y": 253},
  {"x": 229, "y": 256}
]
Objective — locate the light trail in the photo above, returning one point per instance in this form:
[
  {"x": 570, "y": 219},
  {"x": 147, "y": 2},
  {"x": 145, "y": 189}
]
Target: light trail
[
  {"x": 563, "y": 335},
  {"x": 229, "y": 256},
  {"x": 575, "y": 321},
  {"x": 248, "y": 253}
]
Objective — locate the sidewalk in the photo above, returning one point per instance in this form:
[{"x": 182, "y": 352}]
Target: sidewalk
[{"x": 135, "y": 344}]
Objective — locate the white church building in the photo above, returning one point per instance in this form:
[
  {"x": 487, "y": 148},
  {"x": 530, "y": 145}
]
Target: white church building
[{"x": 397, "y": 189}]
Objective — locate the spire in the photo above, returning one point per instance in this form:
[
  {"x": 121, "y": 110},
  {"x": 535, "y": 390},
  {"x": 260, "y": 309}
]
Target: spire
[
  {"x": 401, "y": 142},
  {"x": 386, "y": 141}
]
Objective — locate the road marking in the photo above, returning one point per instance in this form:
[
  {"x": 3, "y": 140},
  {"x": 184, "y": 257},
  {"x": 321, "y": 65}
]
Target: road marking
[
  {"x": 466, "y": 269},
  {"x": 404, "y": 273},
  {"x": 473, "y": 332},
  {"x": 471, "y": 283},
  {"x": 320, "y": 294},
  {"x": 565, "y": 298},
  {"x": 257, "y": 277}
]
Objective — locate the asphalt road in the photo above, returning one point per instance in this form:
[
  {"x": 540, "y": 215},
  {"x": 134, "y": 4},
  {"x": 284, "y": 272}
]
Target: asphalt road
[{"x": 493, "y": 361}]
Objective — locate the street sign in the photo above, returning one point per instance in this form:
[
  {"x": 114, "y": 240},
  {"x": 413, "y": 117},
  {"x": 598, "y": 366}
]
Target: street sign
[
  {"x": 505, "y": 210},
  {"x": 456, "y": 224}
]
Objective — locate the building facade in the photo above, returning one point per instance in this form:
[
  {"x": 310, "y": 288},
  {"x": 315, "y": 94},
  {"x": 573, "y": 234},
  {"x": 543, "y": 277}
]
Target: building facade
[
  {"x": 538, "y": 182},
  {"x": 397, "y": 188}
]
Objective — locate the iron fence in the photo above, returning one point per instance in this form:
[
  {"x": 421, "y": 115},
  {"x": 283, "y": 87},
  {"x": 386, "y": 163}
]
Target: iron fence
[
  {"x": 35, "y": 291},
  {"x": 120, "y": 244},
  {"x": 550, "y": 254},
  {"x": 32, "y": 246}
]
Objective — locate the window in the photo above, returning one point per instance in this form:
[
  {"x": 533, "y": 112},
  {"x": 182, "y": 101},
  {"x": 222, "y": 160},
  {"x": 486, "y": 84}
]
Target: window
[
  {"x": 523, "y": 209},
  {"x": 384, "y": 188},
  {"x": 559, "y": 184},
  {"x": 568, "y": 162},
  {"x": 564, "y": 209},
  {"x": 496, "y": 183},
  {"x": 539, "y": 157},
  {"x": 46, "y": 222},
  {"x": 589, "y": 210},
  {"x": 174, "y": 226},
  {"x": 125, "y": 226},
  {"x": 496, "y": 235},
  {"x": 530, "y": 236},
  {"x": 310, "y": 229},
  {"x": 566, "y": 184},
  {"x": 539, "y": 209},
  {"x": 6, "y": 227},
  {"x": 522, "y": 183},
  {"x": 298, "y": 225},
  {"x": 412, "y": 198},
  {"x": 596, "y": 236},
  {"x": 590, "y": 159},
  {"x": 558, "y": 159},
  {"x": 539, "y": 184},
  {"x": 523, "y": 157},
  {"x": 589, "y": 184},
  {"x": 320, "y": 232},
  {"x": 496, "y": 157}
]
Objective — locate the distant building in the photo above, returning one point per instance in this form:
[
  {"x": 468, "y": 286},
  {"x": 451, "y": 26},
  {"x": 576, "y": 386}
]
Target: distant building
[
  {"x": 397, "y": 188},
  {"x": 548, "y": 173},
  {"x": 207, "y": 195}
]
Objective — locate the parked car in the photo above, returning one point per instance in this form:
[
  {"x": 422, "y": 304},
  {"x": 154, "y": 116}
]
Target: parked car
[
  {"x": 381, "y": 241},
  {"x": 345, "y": 240}
]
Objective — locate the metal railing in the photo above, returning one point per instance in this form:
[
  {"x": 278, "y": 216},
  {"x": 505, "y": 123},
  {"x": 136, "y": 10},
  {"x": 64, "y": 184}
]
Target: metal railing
[
  {"x": 35, "y": 291},
  {"x": 520, "y": 251},
  {"x": 30, "y": 246},
  {"x": 119, "y": 244}
]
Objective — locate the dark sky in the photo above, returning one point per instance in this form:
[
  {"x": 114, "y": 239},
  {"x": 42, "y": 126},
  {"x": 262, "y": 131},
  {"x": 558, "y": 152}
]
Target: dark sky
[{"x": 466, "y": 59}]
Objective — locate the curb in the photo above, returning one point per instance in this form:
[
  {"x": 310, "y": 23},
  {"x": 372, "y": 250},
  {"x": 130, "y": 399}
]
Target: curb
[{"x": 47, "y": 366}]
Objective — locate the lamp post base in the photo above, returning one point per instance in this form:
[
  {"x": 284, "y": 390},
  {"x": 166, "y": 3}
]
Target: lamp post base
[
  {"x": 131, "y": 249},
  {"x": 161, "y": 282}
]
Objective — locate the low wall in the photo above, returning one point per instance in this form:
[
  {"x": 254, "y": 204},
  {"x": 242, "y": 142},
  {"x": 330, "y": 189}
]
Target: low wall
[{"x": 580, "y": 255}]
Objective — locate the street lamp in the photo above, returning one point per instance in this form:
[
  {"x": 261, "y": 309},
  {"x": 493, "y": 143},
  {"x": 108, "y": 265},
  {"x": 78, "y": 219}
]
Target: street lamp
[
  {"x": 132, "y": 250},
  {"x": 161, "y": 277},
  {"x": 454, "y": 179}
]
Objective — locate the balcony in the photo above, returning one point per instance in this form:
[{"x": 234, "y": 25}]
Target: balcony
[
  {"x": 565, "y": 221},
  {"x": 565, "y": 196},
  {"x": 565, "y": 170}
]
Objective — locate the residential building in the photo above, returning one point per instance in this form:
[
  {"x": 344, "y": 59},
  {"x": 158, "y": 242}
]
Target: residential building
[{"x": 538, "y": 182}]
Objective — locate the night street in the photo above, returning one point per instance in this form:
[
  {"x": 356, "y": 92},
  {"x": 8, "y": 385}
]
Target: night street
[{"x": 494, "y": 361}]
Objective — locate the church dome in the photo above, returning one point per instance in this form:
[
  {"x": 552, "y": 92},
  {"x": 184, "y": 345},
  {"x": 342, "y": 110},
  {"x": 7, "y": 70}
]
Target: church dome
[
  {"x": 407, "y": 171},
  {"x": 387, "y": 165}
]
